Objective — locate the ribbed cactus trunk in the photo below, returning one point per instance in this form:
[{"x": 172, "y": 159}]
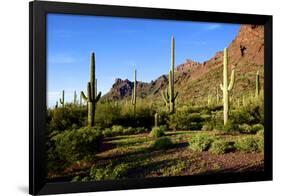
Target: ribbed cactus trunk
[
  {"x": 257, "y": 85},
  {"x": 172, "y": 76},
  {"x": 134, "y": 94},
  {"x": 170, "y": 97},
  {"x": 225, "y": 87},
  {"x": 62, "y": 99},
  {"x": 92, "y": 98},
  {"x": 156, "y": 119}
]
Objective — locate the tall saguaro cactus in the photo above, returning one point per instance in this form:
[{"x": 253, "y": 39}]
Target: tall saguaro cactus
[
  {"x": 257, "y": 85},
  {"x": 92, "y": 97},
  {"x": 225, "y": 87},
  {"x": 62, "y": 99},
  {"x": 156, "y": 119},
  {"x": 134, "y": 94},
  {"x": 170, "y": 96},
  {"x": 75, "y": 98}
]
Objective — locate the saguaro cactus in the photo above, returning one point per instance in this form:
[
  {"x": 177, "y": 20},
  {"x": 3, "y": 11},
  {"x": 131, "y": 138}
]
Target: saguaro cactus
[
  {"x": 57, "y": 105},
  {"x": 156, "y": 119},
  {"x": 169, "y": 97},
  {"x": 75, "y": 98},
  {"x": 134, "y": 94},
  {"x": 92, "y": 97},
  {"x": 225, "y": 87},
  {"x": 257, "y": 85},
  {"x": 62, "y": 99}
]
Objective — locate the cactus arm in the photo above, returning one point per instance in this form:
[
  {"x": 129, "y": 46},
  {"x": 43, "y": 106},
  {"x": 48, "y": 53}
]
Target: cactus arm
[
  {"x": 164, "y": 96},
  {"x": 221, "y": 87},
  {"x": 230, "y": 86},
  {"x": 98, "y": 97},
  {"x": 177, "y": 93},
  {"x": 83, "y": 96}
]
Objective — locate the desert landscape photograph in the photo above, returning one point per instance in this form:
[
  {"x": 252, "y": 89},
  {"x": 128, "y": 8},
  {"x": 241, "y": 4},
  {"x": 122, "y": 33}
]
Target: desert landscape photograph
[{"x": 141, "y": 98}]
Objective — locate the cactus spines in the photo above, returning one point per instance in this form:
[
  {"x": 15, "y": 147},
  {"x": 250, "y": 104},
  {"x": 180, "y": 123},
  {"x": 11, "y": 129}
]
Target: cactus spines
[
  {"x": 62, "y": 99},
  {"x": 225, "y": 87},
  {"x": 170, "y": 96},
  {"x": 156, "y": 119},
  {"x": 257, "y": 85},
  {"x": 92, "y": 97},
  {"x": 134, "y": 94}
]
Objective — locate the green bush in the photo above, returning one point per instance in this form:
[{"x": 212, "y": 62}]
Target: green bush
[
  {"x": 162, "y": 143},
  {"x": 260, "y": 133},
  {"x": 245, "y": 128},
  {"x": 200, "y": 143},
  {"x": 156, "y": 132},
  {"x": 109, "y": 171},
  {"x": 257, "y": 127},
  {"x": 248, "y": 144},
  {"x": 207, "y": 127},
  {"x": 117, "y": 129},
  {"x": 221, "y": 147},
  {"x": 185, "y": 120},
  {"x": 77, "y": 144},
  {"x": 107, "y": 114},
  {"x": 70, "y": 116},
  {"x": 230, "y": 127},
  {"x": 260, "y": 143}
]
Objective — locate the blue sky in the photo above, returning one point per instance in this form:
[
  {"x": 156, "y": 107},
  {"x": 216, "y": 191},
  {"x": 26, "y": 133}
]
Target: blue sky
[{"x": 120, "y": 45}]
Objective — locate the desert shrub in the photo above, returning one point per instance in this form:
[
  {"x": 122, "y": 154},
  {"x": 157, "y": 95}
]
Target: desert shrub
[
  {"x": 245, "y": 128},
  {"x": 140, "y": 130},
  {"x": 129, "y": 130},
  {"x": 200, "y": 142},
  {"x": 107, "y": 114},
  {"x": 162, "y": 143},
  {"x": 107, "y": 132},
  {"x": 70, "y": 116},
  {"x": 185, "y": 120},
  {"x": 221, "y": 147},
  {"x": 156, "y": 132},
  {"x": 248, "y": 144},
  {"x": 77, "y": 144},
  {"x": 117, "y": 129},
  {"x": 230, "y": 127},
  {"x": 260, "y": 143},
  {"x": 257, "y": 127},
  {"x": 260, "y": 133},
  {"x": 207, "y": 127},
  {"x": 109, "y": 172}
]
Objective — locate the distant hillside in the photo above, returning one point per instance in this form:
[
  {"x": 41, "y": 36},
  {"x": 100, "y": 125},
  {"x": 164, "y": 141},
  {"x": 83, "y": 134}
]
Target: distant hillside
[{"x": 195, "y": 81}]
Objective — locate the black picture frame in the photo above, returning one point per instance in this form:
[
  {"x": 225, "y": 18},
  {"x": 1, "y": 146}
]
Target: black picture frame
[{"x": 37, "y": 98}]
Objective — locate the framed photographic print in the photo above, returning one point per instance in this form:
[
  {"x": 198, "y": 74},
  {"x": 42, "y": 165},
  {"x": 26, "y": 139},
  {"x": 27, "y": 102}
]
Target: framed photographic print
[{"x": 131, "y": 97}]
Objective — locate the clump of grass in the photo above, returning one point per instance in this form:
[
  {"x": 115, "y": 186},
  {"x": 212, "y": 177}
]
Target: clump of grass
[
  {"x": 257, "y": 127},
  {"x": 162, "y": 143},
  {"x": 157, "y": 132},
  {"x": 200, "y": 143},
  {"x": 109, "y": 172},
  {"x": 221, "y": 147},
  {"x": 248, "y": 144}
]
